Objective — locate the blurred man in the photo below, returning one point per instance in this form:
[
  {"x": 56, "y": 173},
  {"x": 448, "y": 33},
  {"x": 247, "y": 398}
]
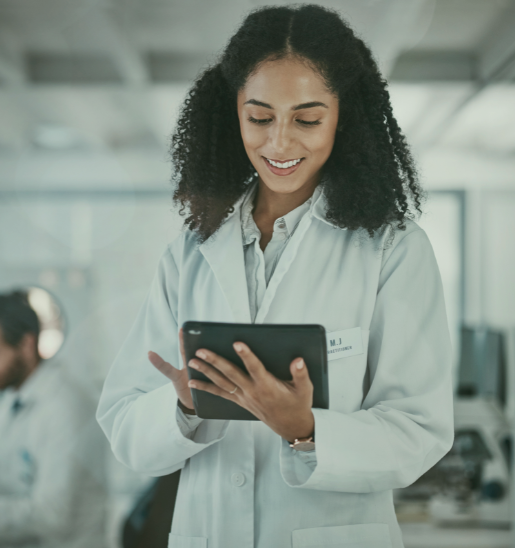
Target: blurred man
[{"x": 51, "y": 464}]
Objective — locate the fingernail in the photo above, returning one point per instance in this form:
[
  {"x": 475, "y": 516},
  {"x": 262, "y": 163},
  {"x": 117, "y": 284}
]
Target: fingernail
[
  {"x": 238, "y": 347},
  {"x": 300, "y": 364},
  {"x": 193, "y": 364},
  {"x": 191, "y": 384},
  {"x": 201, "y": 354}
]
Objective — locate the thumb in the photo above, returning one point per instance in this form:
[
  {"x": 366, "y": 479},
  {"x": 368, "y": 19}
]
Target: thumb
[
  {"x": 165, "y": 368},
  {"x": 300, "y": 374}
]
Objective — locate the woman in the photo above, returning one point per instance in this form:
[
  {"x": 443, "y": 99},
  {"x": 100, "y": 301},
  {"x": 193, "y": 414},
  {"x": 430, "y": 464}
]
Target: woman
[{"x": 298, "y": 182}]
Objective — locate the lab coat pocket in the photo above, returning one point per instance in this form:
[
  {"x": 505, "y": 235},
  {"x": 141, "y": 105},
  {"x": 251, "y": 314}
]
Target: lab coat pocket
[
  {"x": 346, "y": 379},
  {"x": 175, "y": 541},
  {"x": 365, "y": 535}
]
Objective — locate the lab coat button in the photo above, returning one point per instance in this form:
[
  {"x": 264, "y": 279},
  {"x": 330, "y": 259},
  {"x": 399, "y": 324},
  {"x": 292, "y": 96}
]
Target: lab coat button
[{"x": 238, "y": 479}]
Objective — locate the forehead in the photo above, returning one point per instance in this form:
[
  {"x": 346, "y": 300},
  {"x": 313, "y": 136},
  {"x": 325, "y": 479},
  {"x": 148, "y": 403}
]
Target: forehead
[{"x": 285, "y": 82}]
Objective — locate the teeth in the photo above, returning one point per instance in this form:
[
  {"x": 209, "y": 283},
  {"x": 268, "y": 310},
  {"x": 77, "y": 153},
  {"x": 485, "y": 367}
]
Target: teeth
[{"x": 286, "y": 164}]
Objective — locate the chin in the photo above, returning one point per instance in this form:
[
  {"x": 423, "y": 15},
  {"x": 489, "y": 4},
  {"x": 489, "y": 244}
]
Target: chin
[{"x": 281, "y": 186}]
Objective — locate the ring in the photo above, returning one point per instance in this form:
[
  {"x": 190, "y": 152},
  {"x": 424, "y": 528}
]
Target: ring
[{"x": 235, "y": 388}]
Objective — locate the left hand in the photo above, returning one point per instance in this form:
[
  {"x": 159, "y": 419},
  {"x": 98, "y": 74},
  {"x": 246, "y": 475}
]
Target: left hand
[{"x": 285, "y": 406}]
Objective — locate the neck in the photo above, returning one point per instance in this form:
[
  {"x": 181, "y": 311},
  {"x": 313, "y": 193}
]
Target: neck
[{"x": 270, "y": 205}]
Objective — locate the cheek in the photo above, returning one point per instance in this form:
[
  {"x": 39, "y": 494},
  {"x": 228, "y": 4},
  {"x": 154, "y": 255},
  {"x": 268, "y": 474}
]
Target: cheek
[
  {"x": 322, "y": 143},
  {"x": 252, "y": 138}
]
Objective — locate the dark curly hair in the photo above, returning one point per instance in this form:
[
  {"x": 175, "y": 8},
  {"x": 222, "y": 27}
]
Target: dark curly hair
[{"x": 371, "y": 174}]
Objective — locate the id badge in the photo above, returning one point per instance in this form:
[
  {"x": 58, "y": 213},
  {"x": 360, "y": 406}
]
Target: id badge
[{"x": 344, "y": 343}]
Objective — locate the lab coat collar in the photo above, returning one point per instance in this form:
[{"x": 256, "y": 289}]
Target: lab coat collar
[
  {"x": 317, "y": 208},
  {"x": 224, "y": 253}
]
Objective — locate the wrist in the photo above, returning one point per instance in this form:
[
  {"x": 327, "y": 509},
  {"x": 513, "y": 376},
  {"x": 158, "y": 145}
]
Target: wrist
[
  {"x": 185, "y": 409},
  {"x": 303, "y": 432}
]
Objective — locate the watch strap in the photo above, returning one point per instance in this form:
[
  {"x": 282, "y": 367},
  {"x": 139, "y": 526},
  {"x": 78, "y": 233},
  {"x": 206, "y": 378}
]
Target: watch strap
[{"x": 303, "y": 444}]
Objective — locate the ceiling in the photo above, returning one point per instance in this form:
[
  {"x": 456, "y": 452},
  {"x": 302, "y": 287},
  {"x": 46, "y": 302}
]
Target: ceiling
[{"x": 100, "y": 78}]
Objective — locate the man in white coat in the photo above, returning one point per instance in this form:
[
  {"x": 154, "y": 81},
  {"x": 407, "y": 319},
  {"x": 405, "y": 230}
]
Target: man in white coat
[
  {"x": 390, "y": 414},
  {"x": 52, "y": 490}
]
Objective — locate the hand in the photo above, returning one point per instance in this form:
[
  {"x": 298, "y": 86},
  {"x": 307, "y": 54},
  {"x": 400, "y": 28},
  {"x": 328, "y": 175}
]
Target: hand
[
  {"x": 179, "y": 377},
  {"x": 285, "y": 406}
]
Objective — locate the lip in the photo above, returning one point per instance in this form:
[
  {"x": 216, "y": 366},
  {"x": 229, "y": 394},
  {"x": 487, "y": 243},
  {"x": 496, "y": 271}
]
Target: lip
[{"x": 278, "y": 170}]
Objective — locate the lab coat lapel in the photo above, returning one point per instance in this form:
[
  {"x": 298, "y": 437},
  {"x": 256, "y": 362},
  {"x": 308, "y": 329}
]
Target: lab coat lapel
[{"x": 224, "y": 253}]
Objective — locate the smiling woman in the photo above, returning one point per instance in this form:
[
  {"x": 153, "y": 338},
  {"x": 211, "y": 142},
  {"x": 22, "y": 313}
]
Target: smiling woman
[
  {"x": 289, "y": 133},
  {"x": 293, "y": 85},
  {"x": 286, "y": 135},
  {"x": 298, "y": 183}
]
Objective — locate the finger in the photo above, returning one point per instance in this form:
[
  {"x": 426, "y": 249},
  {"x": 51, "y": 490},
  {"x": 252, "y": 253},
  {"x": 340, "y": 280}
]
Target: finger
[
  {"x": 231, "y": 371},
  {"x": 213, "y": 374},
  {"x": 299, "y": 372},
  {"x": 253, "y": 364},
  {"x": 214, "y": 389},
  {"x": 165, "y": 368}
]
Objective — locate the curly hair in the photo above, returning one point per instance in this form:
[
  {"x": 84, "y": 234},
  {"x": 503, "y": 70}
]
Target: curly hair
[{"x": 371, "y": 178}]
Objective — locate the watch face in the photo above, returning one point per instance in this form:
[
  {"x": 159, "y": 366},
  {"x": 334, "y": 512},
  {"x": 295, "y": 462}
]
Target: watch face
[{"x": 305, "y": 446}]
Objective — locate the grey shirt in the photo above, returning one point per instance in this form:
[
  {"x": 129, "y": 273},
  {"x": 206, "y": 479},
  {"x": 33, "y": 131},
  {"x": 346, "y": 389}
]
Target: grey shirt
[{"x": 259, "y": 265}]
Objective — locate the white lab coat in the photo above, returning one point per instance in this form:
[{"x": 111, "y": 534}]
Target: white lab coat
[
  {"x": 52, "y": 480},
  {"x": 390, "y": 417}
]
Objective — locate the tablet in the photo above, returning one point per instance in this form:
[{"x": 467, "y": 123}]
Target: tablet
[{"x": 276, "y": 345}]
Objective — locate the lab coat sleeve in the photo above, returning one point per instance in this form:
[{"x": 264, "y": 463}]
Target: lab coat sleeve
[
  {"x": 138, "y": 405},
  {"x": 405, "y": 424},
  {"x": 309, "y": 458},
  {"x": 187, "y": 423}
]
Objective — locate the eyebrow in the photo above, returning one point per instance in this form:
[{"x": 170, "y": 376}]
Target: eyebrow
[{"x": 296, "y": 107}]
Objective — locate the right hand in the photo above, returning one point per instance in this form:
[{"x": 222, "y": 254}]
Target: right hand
[{"x": 179, "y": 377}]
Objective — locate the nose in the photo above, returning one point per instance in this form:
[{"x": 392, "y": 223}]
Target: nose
[{"x": 280, "y": 137}]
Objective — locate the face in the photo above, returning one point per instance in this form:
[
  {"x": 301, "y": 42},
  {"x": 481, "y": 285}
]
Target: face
[
  {"x": 287, "y": 114},
  {"x": 13, "y": 365}
]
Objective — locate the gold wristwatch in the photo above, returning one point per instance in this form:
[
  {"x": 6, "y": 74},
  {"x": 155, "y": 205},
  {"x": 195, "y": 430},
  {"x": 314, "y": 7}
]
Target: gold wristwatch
[{"x": 303, "y": 444}]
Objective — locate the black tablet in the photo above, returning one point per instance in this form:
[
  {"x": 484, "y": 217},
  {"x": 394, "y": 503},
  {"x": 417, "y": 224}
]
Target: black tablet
[{"x": 276, "y": 345}]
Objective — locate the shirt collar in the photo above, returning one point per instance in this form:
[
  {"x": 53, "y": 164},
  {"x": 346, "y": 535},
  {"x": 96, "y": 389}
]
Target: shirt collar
[
  {"x": 314, "y": 206},
  {"x": 249, "y": 230},
  {"x": 317, "y": 206}
]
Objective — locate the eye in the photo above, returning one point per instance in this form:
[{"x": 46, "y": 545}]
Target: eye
[
  {"x": 306, "y": 123},
  {"x": 259, "y": 122}
]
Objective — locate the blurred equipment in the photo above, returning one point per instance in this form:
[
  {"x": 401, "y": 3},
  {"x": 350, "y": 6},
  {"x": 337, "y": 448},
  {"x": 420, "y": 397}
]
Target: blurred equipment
[
  {"x": 471, "y": 484},
  {"x": 473, "y": 479},
  {"x": 51, "y": 318}
]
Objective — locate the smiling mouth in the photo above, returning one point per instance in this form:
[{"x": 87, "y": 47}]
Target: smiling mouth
[{"x": 285, "y": 164}]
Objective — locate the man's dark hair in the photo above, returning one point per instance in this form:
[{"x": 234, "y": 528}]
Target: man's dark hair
[
  {"x": 17, "y": 318},
  {"x": 372, "y": 176}
]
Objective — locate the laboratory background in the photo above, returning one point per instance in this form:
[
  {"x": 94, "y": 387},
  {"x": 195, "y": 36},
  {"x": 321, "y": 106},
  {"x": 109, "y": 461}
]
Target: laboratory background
[{"x": 90, "y": 92}]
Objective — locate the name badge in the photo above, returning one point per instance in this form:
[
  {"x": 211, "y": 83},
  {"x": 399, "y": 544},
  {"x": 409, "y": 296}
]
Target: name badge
[{"x": 344, "y": 343}]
